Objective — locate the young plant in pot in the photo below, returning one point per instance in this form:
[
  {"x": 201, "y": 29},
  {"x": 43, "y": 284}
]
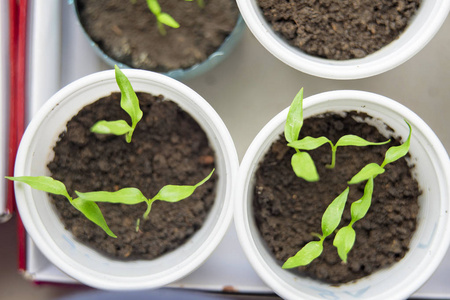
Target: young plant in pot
[
  {"x": 107, "y": 229},
  {"x": 344, "y": 39},
  {"x": 350, "y": 221},
  {"x": 181, "y": 39}
]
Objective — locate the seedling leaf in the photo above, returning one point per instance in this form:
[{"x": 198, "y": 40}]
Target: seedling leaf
[
  {"x": 304, "y": 167},
  {"x": 396, "y": 152},
  {"x": 154, "y": 7},
  {"x": 118, "y": 127},
  {"x": 294, "y": 120},
  {"x": 370, "y": 170},
  {"x": 344, "y": 241},
  {"x": 44, "y": 183},
  {"x": 354, "y": 140},
  {"x": 128, "y": 101},
  {"x": 128, "y": 196},
  {"x": 175, "y": 193},
  {"x": 333, "y": 214},
  {"x": 93, "y": 213},
  {"x": 305, "y": 256},
  {"x": 309, "y": 143},
  {"x": 168, "y": 20},
  {"x": 360, "y": 208}
]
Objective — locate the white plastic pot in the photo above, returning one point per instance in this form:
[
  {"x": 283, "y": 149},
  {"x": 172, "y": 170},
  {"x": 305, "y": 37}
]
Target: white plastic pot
[
  {"x": 212, "y": 61},
  {"x": 430, "y": 241},
  {"x": 420, "y": 31},
  {"x": 81, "y": 262}
]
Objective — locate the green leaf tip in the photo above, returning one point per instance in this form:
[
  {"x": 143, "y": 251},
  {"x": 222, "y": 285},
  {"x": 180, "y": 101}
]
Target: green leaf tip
[
  {"x": 43, "y": 183},
  {"x": 309, "y": 143},
  {"x": 368, "y": 171},
  {"x": 118, "y": 127},
  {"x": 294, "y": 120},
  {"x": 175, "y": 193},
  {"x": 167, "y": 19},
  {"x": 333, "y": 214},
  {"x": 354, "y": 140},
  {"x": 360, "y": 207},
  {"x": 154, "y": 7},
  {"x": 305, "y": 256},
  {"x": 396, "y": 152}
]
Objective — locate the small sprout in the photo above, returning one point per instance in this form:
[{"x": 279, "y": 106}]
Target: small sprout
[
  {"x": 86, "y": 202},
  {"x": 162, "y": 18},
  {"x": 131, "y": 196},
  {"x": 129, "y": 103},
  {"x": 346, "y": 236},
  {"x": 330, "y": 221},
  {"x": 304, "y": 167}
]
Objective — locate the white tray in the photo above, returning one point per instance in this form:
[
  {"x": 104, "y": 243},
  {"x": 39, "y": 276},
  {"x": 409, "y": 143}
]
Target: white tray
[{"x": 247, "y": 89}]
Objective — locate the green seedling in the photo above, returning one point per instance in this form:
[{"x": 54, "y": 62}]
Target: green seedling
[
  {"x": 162, "y": 18},
  {"x": 86, "y": 203},
  {"x": 346, "y": 236},
  {"x": 302, "y": 163},
  {"x": 304, "y": 167},
  {"x": 330, "y": 221},
  {"x": 129, "y": 103}
]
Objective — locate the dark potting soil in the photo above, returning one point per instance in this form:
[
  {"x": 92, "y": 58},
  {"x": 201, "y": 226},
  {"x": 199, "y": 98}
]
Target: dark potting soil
[
  {"x": 288, "y": 209},
  {"x": 168, "y": 147},
  {"x": 339, "y": 29},
  {"x": 128, "y": 32}
]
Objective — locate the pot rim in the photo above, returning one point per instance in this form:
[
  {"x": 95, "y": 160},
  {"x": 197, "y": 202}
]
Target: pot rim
[
  {"x": 254, "y": 248},
  {"x": 215, "y": 58},
  {"x": 422, "y": 28},
  {"x": 56, "y": 251}
]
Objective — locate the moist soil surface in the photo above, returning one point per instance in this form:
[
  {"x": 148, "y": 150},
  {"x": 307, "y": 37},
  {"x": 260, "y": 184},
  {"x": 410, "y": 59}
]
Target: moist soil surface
[
  {"x": 288, "y": 209},
  {"x": 128, "y": 32},
  {"x": 168, "y": 147},
  {"x": 339, "y": 29}
]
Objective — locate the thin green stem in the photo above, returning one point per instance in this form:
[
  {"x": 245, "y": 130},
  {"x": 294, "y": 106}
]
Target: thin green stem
[
  {"x": 149, "y": 208},
  {"x": 161, "y": 28},
  {"x": 138, "y": 222},
  {"x": 317, "y": 235},
  {"x": 333, "y": 157}
]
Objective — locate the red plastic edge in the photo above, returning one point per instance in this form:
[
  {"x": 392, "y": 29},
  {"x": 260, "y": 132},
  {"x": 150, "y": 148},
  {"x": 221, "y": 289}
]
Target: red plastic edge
[{"x": 17, "y": 51}]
